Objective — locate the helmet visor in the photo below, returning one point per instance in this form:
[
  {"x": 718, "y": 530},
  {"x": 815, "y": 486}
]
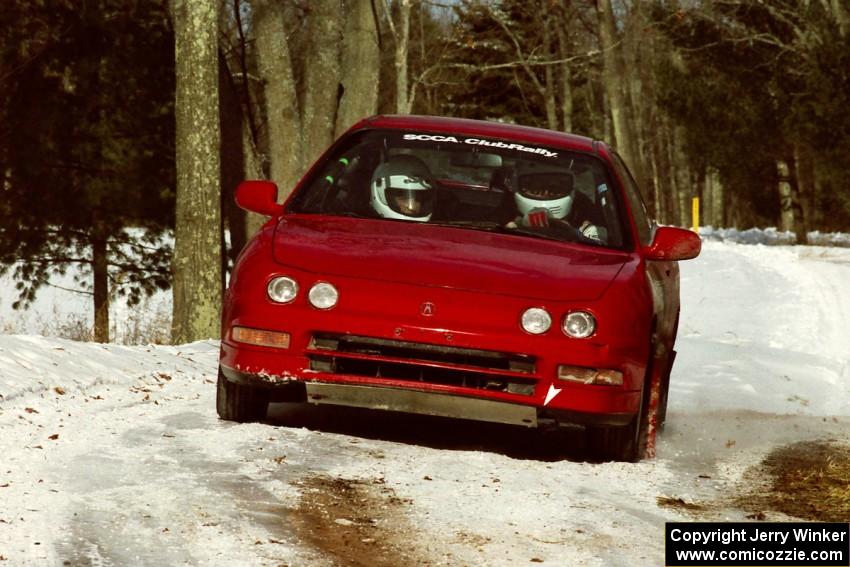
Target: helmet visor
[
  {"x": 546, "y": 186},
  {"x": 410, "y": 196}
]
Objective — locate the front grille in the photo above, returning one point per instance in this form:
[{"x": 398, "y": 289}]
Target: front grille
[{"x": 420, "y": 362}]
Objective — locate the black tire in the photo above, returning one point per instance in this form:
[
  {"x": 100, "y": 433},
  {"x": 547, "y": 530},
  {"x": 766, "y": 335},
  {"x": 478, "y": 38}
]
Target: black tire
[
  {"x": 624, "y": 443},
  {"x": 665, "y": 392},
  {"x": 236, "y": 402},
  {"x": 613, "y": 443}
]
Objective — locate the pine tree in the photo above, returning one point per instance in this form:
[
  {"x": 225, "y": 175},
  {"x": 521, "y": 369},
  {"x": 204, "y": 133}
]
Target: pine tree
[{"x": 85, "y": 146}]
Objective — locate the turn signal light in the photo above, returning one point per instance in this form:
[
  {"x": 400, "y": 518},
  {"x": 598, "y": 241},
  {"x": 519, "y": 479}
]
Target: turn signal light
[
  {"x": 596, "y": 376},
  {"x": 259, "y": 337}
]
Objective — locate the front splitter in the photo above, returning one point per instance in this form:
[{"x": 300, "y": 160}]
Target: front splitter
[{"x": 425, "y": 403}]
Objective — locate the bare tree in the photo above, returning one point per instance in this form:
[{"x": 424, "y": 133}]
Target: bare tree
[
  {"x": 361, "y": 65},
  {"x": 274, "y": 64},
  {"x": 614, "y": 80},
  {"x": 197, "y": 252},
  {"x": 401, "y": 38},
  {"x": 321, "y": 76}
]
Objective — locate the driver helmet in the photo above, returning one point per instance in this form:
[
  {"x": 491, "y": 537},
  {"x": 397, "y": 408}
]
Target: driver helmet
[
  {"x": 402, "y": 189},
  {"x": 552, "y": 189}
]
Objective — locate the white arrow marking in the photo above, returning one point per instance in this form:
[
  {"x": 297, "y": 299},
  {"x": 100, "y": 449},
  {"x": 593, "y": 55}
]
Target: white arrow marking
[{"x": 550, "y": 395}]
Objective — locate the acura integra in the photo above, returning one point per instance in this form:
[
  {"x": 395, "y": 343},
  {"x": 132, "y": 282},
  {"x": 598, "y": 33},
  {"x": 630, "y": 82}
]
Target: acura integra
[{"x": 464, "y": 269}]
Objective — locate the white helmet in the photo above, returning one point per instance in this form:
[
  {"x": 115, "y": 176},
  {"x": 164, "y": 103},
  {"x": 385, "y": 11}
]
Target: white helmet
[
  {"x": 402, "y": 189},
  {"x": 550, "y": 190}
]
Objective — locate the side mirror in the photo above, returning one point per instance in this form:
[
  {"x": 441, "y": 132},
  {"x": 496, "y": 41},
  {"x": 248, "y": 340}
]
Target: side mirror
[
  {"x": 258, "y": 197},
  {"x": 671, "y": 243}
]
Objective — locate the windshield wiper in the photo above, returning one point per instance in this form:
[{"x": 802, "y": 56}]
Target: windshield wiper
[{"x": 481, "y": 225}]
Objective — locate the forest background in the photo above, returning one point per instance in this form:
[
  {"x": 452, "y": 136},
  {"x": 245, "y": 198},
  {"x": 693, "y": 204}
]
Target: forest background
[{"x": 125, "y": 121}]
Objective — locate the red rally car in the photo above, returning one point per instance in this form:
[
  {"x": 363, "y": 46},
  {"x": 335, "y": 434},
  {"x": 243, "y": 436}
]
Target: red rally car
[{"x": 464, "y": 269}]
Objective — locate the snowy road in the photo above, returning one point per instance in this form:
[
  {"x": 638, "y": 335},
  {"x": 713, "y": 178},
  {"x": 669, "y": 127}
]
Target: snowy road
[{"x": 113, "y": 455}]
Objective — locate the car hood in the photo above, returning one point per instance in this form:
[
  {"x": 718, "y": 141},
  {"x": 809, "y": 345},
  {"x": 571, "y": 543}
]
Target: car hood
[{"x": 457, "y": 258}]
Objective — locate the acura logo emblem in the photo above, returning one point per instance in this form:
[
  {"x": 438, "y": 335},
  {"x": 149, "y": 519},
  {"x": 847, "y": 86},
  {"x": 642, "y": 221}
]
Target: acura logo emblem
[{"x": 427, "y": 309}]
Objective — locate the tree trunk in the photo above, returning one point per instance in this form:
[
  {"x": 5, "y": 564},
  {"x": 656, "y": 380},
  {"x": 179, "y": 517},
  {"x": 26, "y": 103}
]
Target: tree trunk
[
  {"x": 718, "y": 204},
  {"x": 253, "y": 170},
  {"x": 360, "y": 66},
  {"x": 100, "y": 287},
  {"x": 789, "y": 205},
  {"x": 402, "y": 40},
  {"x": 549, "y": 78},
  {"x": 566, "y": 78},
  {"x": 197, "y": 249},
  {"x": 281, "y": 99},
  {"x": 668, "y": 171},
  {"x": 322, "y": 77},
  {"x": 805, "y": 174},
  {"x": 840, "y": 13},
  {"x": 684, "y": 188},
  {"x": 614, "y": 79},
  {"x": 232, "y": 166},
  {"x": 816, "y": 219}
]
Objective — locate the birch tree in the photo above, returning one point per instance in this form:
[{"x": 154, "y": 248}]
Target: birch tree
[{"x": 197, "y": 252}]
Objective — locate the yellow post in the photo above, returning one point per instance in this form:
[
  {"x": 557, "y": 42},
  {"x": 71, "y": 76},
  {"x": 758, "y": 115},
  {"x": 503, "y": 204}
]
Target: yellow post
[{"x": 695, "y": 213}]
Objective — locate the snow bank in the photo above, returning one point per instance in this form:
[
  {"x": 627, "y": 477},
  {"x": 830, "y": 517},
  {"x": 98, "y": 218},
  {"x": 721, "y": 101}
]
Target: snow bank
[{"x": 772, "y": 237}]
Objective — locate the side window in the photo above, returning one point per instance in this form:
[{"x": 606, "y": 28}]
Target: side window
[{"x": 636, "y": 204}]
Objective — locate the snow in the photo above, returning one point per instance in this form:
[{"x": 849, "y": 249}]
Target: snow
[{"x": 113, "y": 455}]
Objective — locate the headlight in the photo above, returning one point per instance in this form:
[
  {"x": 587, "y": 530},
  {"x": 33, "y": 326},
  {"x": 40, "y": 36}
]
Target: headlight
[
  {"x": 323, "y": 295},
  {"x": 282, "y": 289},
  {"x": 579, "y": 324},
  {"x": 536, "y": 320}
]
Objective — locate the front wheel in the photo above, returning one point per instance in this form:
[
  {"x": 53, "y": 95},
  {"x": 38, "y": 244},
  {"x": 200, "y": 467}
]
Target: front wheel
[
  {"x": 624, "y": 443},
  {"x": 236, "y": 402}
]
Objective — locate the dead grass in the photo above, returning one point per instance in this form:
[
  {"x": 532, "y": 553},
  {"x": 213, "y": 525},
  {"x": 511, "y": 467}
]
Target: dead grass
[
  {"x": 808, "y": 480},
  {"x": 147, "y": 323}
]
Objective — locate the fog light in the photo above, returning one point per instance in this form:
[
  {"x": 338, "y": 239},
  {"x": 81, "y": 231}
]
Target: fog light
[
  {"x": 259, "y": 337},
  {"x": 536, "y": 320},
  {"x": 598, "y": 376}
]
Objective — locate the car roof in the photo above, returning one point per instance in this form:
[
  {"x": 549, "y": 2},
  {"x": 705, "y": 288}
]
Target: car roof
[{"x": 467, "y": 127}]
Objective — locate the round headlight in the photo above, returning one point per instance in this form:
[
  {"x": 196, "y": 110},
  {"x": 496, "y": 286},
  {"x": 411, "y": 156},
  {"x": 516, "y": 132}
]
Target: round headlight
[
  {"x": 536, "y": 320},
  {"x": 323, "y": 295},
  {"x": 282, "y": 289},
  {"x": 579, "y": 324}
]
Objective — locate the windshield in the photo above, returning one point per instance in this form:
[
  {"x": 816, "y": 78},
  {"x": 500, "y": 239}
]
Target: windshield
[{"x": 471, "y": 183}]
